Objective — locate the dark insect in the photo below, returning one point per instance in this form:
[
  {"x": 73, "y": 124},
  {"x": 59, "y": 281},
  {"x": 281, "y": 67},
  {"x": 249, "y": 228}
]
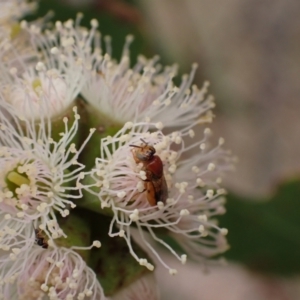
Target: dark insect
[
  {"x": 155, "y": 184},
  {"x": 40, "y": 239}
]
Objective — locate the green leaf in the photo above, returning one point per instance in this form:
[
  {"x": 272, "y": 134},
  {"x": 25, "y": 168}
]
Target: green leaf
[
  {"x": 264, "y": 234},
  {"x": 93, "y": 118},
  {"x": 78, "y": 234}
]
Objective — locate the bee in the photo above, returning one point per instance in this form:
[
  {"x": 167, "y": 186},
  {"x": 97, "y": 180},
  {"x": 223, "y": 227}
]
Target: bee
[
  {"x": 40, "y": 238},
  {"x": 155, "y": 183}
]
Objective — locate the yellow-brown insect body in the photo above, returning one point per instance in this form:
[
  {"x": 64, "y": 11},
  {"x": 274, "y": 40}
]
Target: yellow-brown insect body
[
  {"x": 155, "y": 183},
  {"x": 40, "y": 239}
]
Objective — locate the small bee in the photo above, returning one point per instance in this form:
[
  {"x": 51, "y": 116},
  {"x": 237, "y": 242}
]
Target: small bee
[
  {"x": 155, "y": 183},
  {"x": 40, "y": 238}
]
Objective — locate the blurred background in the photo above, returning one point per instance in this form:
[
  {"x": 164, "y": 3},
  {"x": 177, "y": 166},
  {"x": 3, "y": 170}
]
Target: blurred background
[{"x": 250, "y": 52}]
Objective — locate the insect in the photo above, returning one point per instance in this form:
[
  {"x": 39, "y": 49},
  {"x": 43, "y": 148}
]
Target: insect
[
  {"x": 40, "y": 238},
  {"x": 155, "y": 183}
]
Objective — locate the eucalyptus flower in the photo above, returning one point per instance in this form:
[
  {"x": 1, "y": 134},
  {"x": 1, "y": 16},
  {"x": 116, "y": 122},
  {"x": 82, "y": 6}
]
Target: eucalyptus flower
[
  {"x": 192, "y": 187},
  {"x": 119, "y": 93},
  {"x": 42, "y": 79},
  {"x": 38, "y": 174},
  {"x": 15, "y": 237},
  {"x": 12, "y": 37},
  {"x": 12, "y": 10},
  {"x": 54, "y": 274},
  {"x": 144, "y": 92}
]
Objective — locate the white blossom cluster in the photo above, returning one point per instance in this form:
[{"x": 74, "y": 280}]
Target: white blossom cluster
[{"x": 43, "y": 155}]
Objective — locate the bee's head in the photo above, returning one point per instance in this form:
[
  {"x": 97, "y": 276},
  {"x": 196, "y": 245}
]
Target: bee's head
[{"x": 144, "y": 152}]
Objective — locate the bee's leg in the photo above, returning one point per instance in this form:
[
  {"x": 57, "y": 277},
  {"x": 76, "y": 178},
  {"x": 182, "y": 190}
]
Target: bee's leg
[
  {"x": 138, "y": 193},
  {"x": 144, "y": 190}
]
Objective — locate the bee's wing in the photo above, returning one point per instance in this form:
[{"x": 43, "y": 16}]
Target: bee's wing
[
  {"x": 151, "y": 193},
  {"x": 161, "y": 189},
  {"x": 164, "y": 190}
]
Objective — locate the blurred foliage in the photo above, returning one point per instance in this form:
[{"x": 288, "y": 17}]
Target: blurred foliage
[
  {"x": 264, "y": 234},
  {"x": 78, "y": 234}
]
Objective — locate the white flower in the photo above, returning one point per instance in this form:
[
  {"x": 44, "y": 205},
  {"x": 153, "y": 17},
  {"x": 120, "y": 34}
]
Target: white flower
[
  {"x": 144, "y": 92},
  {"x": 122, "y": 94},
  {"x": 56, "y": 273},
  {"x": 43, "y": 80},
  {"x": 35, "y": 178},
  {"x": 17, "y": 49},
  {"x": 192, "y": 187},
  {"x": 143, "y": 288},
  {"x": 15, "y": 236},
  {"x": 35, "y": 95},
  {"x": 11, "y": 33},
  {"x": 12, "y": 10}
]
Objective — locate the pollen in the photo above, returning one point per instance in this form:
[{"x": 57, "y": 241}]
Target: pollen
[
  {"x": 191, "y": 133},
  {"x": 202, "y": 218},
  {"x": 219, "y": 180},
  {"x": 149, "y": 266},
  {"x": 207, "y": 131},
  {"x": 224, "y": 231},
  {"x": 202, "y": 146},
  {"x": 209, "y": 194},
  {"x": 172, "y": 168},
  {"x": 211, "y": 167},
  {"x": 160, "y": 205},
  {"x": 140, "y": 186},
  {"x": 94, "y": 23},
  {"x": 54, "y": 51},
  {"x": 97, "y": 244},
  {"x": 7, "y": 217},
  {"x": 121, "y": 194},
  {"x": 221, "y": 191},
  {"x": 143, "y": 175},
  {"x": 143, "y": 261},
  {"x": 134, "y": 216},
  {"x": 184, "y": 212},
  {"x": 195, "y": 169},
  {"x": 221, "y": 141},
  {"x": 159, "y": 125},
  {"x": 172, "y": 271},
  {"x": 201, "y": 228},
  {"x": 40, "y": 66},
  {"x": 44, "y": 287}
]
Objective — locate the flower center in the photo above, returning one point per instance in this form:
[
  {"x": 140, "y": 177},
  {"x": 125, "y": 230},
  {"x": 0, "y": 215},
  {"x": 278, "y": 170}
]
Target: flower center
[
  {"x": 15, "y": 30},
  {"x": 25, "y": 186},
  {"x": 15, "y": 180},
  {"x": 41, "y": 95},
  {"x": 36, "y": 85}
]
